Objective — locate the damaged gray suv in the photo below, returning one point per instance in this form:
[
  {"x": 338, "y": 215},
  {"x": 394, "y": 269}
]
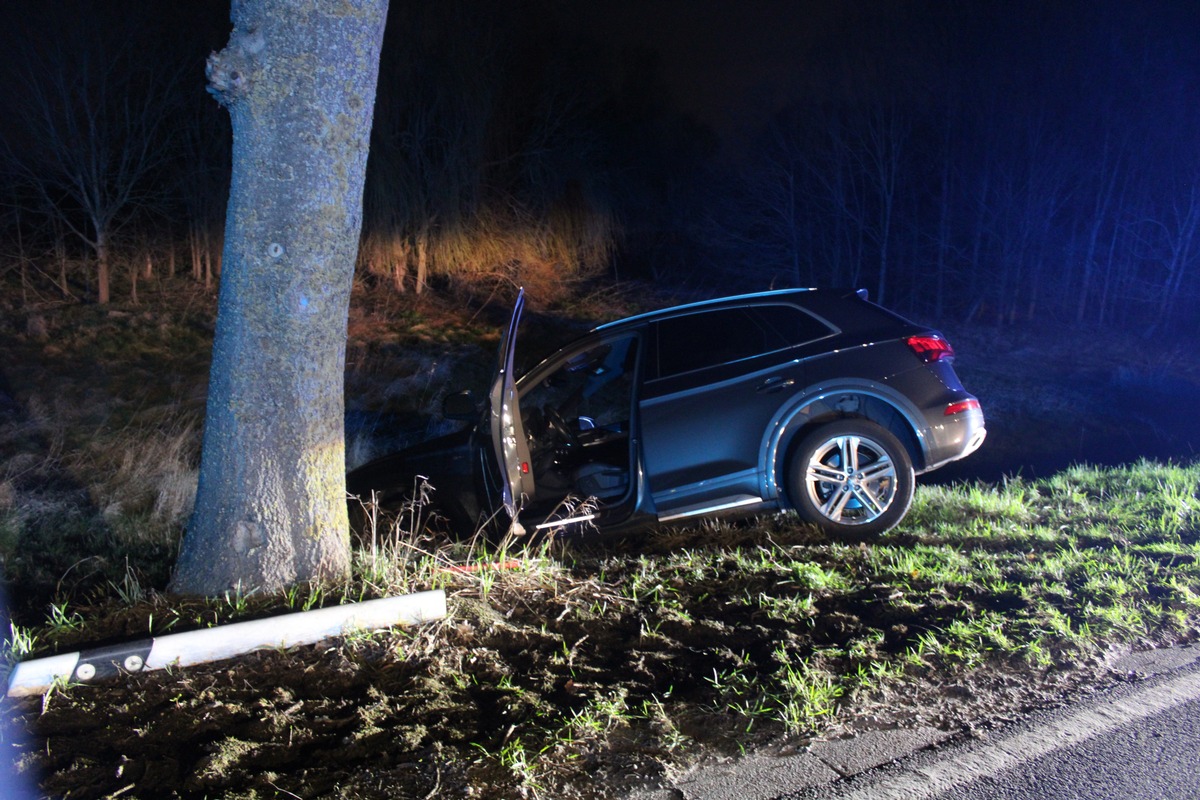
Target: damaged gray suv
[{"x": 817, "y": 401}]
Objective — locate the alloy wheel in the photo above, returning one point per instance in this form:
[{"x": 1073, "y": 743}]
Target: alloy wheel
[{"x": 850, "y": 479}]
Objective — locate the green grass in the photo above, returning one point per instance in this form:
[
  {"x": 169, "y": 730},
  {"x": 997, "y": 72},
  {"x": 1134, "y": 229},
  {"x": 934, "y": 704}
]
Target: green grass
[
  {"x": 1039, "y": 573},
  {"x": 705, "y": 636}
]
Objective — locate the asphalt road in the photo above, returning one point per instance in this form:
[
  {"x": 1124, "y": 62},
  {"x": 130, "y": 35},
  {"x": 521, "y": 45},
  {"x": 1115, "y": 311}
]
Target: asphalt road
[
  {"x": 1155, "y": 758},
  {"x": 1135, "y": 740}
]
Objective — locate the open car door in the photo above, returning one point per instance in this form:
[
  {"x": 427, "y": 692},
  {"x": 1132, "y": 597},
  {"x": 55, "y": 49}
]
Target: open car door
[{"x": 508, "y": 432}]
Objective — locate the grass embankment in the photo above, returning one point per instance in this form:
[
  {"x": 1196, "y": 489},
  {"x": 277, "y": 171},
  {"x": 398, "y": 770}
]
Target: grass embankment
[{"x": 584, "y": 671}]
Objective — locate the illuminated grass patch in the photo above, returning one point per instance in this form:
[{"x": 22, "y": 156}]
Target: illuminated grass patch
[{"x": 716, "y": 638}]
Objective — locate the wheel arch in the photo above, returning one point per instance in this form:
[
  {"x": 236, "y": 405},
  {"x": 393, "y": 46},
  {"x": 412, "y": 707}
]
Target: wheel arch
[{"x": 823, "y": 405}]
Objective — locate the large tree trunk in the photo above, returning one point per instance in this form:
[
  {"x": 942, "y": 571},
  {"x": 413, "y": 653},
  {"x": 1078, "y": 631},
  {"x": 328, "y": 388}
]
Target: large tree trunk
[{"x": 299, "y": 81}]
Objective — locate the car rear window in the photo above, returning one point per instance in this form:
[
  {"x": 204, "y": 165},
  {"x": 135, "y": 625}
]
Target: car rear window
[{"x": 709, "y": 338}]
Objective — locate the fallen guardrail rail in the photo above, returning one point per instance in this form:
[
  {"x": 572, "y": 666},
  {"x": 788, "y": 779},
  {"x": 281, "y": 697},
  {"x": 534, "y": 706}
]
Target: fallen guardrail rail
[{"x": 36, "y": 676}]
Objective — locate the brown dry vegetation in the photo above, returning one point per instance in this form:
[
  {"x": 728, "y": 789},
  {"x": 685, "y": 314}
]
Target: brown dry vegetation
[{"x": 585, "y": 671}]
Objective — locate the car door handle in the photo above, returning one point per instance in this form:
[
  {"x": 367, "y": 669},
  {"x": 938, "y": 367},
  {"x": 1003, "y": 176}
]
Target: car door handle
[{"x": 775, "y": 383}]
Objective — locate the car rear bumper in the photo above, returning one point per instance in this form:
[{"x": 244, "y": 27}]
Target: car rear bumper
[{"x": 953, "y": 436}]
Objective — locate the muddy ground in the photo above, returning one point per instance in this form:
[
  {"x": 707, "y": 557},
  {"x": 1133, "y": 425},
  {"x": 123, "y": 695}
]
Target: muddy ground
[
  {"x": 575, "y": 695},
  {"x": 553, "y": 687}
]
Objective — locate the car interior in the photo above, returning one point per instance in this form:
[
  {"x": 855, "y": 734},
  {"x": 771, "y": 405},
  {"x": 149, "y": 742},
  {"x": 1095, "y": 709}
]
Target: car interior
[{"x": 577, "y": 419}]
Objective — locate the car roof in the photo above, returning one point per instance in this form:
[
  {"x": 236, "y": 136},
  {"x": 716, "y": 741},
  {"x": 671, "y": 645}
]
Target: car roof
[{"x": 724, "y": 302}]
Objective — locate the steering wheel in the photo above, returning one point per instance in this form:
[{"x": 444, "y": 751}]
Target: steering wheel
[{"x": 560, "y": 427}]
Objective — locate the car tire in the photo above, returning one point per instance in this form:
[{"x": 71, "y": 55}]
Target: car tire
[{"x": 868, "y": 499}]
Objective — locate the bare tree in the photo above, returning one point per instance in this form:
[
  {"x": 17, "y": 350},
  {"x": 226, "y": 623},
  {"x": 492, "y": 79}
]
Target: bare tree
[
  {"x": 878, "y": 154},
  {"x": 203, "y": 180},
  {"x": 94, "y": 112},
  {"x": 299, "y": 81}
]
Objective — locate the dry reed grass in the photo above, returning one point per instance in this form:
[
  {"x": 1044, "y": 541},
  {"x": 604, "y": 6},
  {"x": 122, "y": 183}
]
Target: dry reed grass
[{"x": 549, "y": 255}]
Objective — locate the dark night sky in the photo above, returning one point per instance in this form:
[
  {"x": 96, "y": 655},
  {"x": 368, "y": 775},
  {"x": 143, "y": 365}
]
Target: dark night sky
[
  {"x": 732, "y": 63},
  {"x": 727, "y": 63}
]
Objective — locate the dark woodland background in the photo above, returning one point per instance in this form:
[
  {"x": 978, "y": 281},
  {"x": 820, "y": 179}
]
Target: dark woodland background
[{"x": 998, "y": 161}]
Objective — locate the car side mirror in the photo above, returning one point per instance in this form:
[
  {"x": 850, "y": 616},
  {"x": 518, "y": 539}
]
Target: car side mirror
[{"x": 461, "y": 406}]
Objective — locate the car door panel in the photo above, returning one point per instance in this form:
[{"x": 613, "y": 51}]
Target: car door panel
[
  {"x": 507, "y": 430},
  {"x": 714, "y": 381},
  {"x": 703, "y": 444}
]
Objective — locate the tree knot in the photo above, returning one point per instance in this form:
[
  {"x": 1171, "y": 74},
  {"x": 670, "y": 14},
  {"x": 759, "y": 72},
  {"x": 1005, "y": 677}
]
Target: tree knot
[{"x": 229, "y": 71}]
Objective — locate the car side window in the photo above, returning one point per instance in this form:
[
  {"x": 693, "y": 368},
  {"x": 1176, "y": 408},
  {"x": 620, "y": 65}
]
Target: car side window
[{"x": 710, "y": 338}]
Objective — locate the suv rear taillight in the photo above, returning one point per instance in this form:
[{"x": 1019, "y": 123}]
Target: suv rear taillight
[
  {"x": 930, "y": 347},
  {"x": 961, "y": 406}
]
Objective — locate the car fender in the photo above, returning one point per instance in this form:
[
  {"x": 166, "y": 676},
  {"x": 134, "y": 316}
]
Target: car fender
[{"x": 796, "y": 415}]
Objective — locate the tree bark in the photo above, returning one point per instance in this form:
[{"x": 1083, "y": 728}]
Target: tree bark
[
  {"x": 102, "y": 268},
  {"x": 299, "y": 81},
  {"x": 60, "y": 258},
  {"x": 422, "y": 258}
]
